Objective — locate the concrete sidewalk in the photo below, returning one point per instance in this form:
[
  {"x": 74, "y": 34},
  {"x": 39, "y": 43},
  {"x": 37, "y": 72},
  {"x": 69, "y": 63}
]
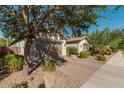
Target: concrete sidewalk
[{"x": 111, "y": 75}]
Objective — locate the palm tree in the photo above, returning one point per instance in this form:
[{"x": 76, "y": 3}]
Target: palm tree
[{"x": 106, "y": 39}]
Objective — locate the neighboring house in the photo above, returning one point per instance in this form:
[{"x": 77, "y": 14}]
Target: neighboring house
[
  {"x": 18, "y": 48},
  {"x": 81, "y": 43}
]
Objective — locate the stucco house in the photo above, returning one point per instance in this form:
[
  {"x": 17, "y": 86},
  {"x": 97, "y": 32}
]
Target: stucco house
[
  {"x": 81, "y": 43},
  {"x": 18, "y": 48}
]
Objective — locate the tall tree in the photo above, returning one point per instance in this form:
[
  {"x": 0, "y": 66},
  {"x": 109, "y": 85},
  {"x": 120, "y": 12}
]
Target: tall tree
[
  {"x": 106, "y": 38},
  {"x": 26, "y": 22}
]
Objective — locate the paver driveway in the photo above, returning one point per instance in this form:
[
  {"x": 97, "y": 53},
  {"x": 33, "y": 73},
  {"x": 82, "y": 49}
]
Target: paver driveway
[
  {"x": 111, "y": 75},
  {"x": 80, "y": 69}
]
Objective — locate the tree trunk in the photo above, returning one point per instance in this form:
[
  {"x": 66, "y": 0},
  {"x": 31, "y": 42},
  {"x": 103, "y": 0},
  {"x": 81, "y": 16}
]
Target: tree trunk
[{"x": 27, "y": 56}]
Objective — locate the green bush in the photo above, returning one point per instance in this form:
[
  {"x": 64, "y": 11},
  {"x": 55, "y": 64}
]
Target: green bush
[
  {"x": 106, "y": 51},
  {"x": 49, "y": 65},
  {"x": 13, "y": 62},
  {"x": 101, "y": 58},
  {"x": 72, "y": 50},
  {"x": 102, "y": 50},
  {"x": 84, "y": 54},
  {"x": 114, "y": 48},
  {"x": 99, "y": 49},
  {"x": 121, "y": 44},
  {"x": 109, "y": 51}
]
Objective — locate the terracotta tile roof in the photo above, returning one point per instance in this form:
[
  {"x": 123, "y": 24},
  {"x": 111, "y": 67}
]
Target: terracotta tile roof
[{"x": 76, "y": 39}]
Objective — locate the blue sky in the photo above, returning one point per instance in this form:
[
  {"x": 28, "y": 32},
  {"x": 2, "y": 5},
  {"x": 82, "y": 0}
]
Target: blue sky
[{"x": 115, "y": 20}]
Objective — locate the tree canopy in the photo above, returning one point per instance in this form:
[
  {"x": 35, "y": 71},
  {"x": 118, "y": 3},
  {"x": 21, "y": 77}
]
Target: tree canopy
[{"x": 19, "y": 22}]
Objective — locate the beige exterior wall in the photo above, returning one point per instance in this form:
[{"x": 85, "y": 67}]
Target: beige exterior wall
[
  {"x": 79, "y": 45},
  {"x": 61, "y": 47},
  {"x": 82, "y": 45},
  {"x": 21, "y": 45},
  {"x": 63, "y": 51},
  {"x": 18, "y": 47}
]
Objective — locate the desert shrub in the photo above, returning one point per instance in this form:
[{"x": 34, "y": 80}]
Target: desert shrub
[
  {"x": 13, "y": 62},
  {"x": 121, "y": 45},
  {"x": 101, "y": 49},
  {"x": 84, "y": 54},
  {"x": 114, "y": 48},
  {"x": 101, "y": 57},
  {"x": 109, "y": 51},
  {"x": 49, "y": 65},
  {"x": 95, "y": 50},
  {"x": 106, "y": 51},
  {"x": 98, "y": 49},
  {"x": 72, "y": 50}
]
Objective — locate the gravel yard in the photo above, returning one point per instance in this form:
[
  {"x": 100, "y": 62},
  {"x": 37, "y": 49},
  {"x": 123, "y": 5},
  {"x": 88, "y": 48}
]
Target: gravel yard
[{"x": 72, "y": 74}]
